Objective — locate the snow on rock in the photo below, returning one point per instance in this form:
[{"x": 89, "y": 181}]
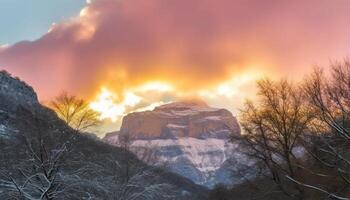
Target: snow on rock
[
  {"x": 175, "y": 126},
  {"x": 2, "y": 129},
  {"x": 5, "y": 132},
  {"x": 207, "y": 156},
  {"x": 16, "y": 91},
  {"x": 189, "y": 138}
]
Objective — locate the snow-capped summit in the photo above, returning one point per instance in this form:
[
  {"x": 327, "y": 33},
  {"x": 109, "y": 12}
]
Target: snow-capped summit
[{"x": 189, "y": 137}]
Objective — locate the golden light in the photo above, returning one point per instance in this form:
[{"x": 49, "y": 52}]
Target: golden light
[
  {"x": 83, "y": 12},
  {"x": 109, "y": 105},
  {"x": 106, "y": 105},
  {"x": 151, "y": 106},
  {"x": 232, "y": 86},
  {"x": 131, "y": 99},
  {"x": 87, "y": 26},
  {"x": 52, "y": 27},
  {"x": 112, "y": 106},
  {"x": 156, "y": 86}
]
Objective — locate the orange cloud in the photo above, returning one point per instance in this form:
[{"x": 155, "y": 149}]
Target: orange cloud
[{"x": 193, "y": 45}]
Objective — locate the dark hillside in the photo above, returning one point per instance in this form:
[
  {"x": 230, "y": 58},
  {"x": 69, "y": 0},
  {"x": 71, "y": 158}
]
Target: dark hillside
[{"x": 41, "y": 155}]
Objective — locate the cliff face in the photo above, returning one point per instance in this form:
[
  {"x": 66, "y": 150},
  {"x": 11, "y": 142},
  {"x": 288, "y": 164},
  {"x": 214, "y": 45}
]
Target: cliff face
[
  {"x": 189, "y": 138},
  {"x": 181, "y": 119}
]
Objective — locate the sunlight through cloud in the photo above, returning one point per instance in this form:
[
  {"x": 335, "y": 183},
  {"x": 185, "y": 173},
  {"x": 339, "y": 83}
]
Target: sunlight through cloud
[
  {"x": 156, "y": 86},
  {"x": 106, "y": 106}
]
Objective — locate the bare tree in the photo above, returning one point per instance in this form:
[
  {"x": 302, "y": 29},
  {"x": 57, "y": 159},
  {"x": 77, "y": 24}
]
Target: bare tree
[
  {"x": 125, "y": 141},
  {"x": 39, "y": 176},
  {"x": 146, "y": 153},
  {"x": 329, "y": 145},
  {"x": 136, "y": 188},
  {"x": 40, "y": 170},
  {"x": 135, "y": 180},
  {"x": 143, "y": 182},
  {"x": 272, "y": 127},
  {"x": 75, "y": 112}
]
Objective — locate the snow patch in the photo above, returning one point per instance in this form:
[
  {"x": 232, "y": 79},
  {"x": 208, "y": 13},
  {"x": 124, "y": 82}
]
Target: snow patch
[
  {"x": 176, "y": 126},
  {"x": 3, "y": 129},
  {"x": 214, "y": 118},
  {"x": 206, "y": 155}
]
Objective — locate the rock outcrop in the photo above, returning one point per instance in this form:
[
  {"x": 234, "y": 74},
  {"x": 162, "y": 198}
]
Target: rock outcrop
[
  {"x": 14, "y": 90},
  {"x": 181, "y": 119},
  {"x": 13, "y": 93},
  {"x": 189, "y": 138}
]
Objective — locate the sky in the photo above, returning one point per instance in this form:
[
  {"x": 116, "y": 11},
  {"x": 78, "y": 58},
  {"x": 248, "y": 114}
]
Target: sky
[
  {"x": 30, "y": 19},
  {"x": 131, "y": 55}
]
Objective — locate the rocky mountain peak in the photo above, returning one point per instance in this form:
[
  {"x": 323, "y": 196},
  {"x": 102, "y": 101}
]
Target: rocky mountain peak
[
  {"x": 181, "y": 119},
  {"x": 17, "y": 92},
  {"x": 189, "y": 136}
]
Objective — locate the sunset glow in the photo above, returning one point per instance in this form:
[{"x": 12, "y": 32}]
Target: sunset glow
[
  {"x": 126, "y": 56},
  {"x": 112, "y": 104},
  {"x": 106, "y": 105},
  {"x": 113, "y": 107},
  {"x": 231, "y": 87},
  {"x": 156, "y": 86},
  {"x": 175, "y": 99}
]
